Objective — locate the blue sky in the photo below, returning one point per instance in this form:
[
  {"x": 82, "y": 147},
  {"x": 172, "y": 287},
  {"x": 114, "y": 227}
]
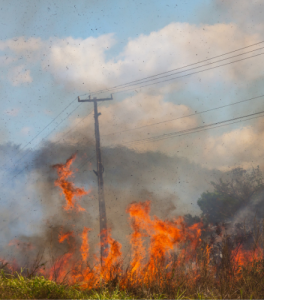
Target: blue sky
[{"x": 91, "y": 18}]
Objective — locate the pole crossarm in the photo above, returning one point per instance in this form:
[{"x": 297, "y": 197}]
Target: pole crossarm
[{"x": 94, "y": 99}]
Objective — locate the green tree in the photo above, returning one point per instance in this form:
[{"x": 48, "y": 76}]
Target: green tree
[{"x": 232, "y": 194}]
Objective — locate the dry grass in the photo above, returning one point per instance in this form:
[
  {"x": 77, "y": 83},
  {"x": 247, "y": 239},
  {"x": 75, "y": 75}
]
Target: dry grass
[{"x": 207, "y": 276}]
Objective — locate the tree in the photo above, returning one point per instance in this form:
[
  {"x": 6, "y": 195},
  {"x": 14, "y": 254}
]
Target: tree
[{"x": 231, "y": 195}]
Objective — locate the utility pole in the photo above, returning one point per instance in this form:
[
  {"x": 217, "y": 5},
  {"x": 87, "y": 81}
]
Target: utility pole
[{"x": 99, "y": 174}]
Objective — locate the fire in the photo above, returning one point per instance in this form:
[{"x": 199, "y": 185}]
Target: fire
[
  {"x": 84, "y": 249},
  {"x": 64, "y": 236},
  {"x": 243, "y": 257},
  {"x": 163, "y": 252},
  {"x": 167, "y": 239},
  {"x": 68, "y": 188},
  {"x": 59, "y": 270}
]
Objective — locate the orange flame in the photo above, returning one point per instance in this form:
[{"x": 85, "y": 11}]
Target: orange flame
[
  {"x": 84, "y": 250},
  {"x": 166, "y": 237},
  {"x": 69, "y": 190},
  {"x": 64, "y": 236}
]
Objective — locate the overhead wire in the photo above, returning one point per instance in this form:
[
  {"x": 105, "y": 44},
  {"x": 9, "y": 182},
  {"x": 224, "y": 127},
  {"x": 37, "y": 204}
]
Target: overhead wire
[
  {"x": 61, "y": 122},
  {"x": 208, "y": 110},
  {"x": 190, "y": 115},
  {"x": 38, "y": 144},
  {"x": 166, "y": 80},
  {"x": 186, "y": 131},
  {"x": 23, "y": 147},
  {"x": 184, "y": 71},
  {"x": 46, "y": 126},
  {"x": 127, "y": 83},
  {"x": 48, "y": 133},
  {"x": 152, "y": 124},
  {"x": 158, "y": 122}
]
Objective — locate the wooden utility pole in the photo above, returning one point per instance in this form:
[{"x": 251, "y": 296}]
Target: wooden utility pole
[{"x": 99, "y": 174}]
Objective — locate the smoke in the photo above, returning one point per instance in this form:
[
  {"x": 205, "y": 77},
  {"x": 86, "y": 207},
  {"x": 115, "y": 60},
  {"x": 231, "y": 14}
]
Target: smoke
[
  {"x": 255, "y": 209},
  {"x": 32, "y": 207},
  {"x": 32, "y": 211}
]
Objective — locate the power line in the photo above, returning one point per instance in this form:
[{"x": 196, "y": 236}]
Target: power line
[
  {"x": 162, "y": 121},
  {"x": 180, "y": 77},
  {"x": 187, "y": 131},
  {"x": 124, "y": 84},
  {"x": 60, "y": 123},
  {"x": 211, "y": 63},
  {"x": 153, "y": 124},
  {"x": 200, "y": 128},
  {"x": 74, "y": 126},
  {"x": 216, "y": 126},
  {"x": 172, "y": 119},
  {"x": 187, "y": 75},
  {"x": 48, "y": 133},
  {"x": 19, "y": 151},
  {"x": 131, "y": 89},
  {"x": 197, "y": 113},
  {"x": 39, "y": 143},
  {"x": 46, "y": 126}
]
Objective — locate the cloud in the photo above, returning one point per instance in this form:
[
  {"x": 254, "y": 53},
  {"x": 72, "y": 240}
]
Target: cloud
[
  {"x": 79, "y": 62},
  {"x": 82, "y": 64},
  {"x": 21, "y": 45},
  {"x": 19, "y": 75},
  {"x": 242, "y": 147}
]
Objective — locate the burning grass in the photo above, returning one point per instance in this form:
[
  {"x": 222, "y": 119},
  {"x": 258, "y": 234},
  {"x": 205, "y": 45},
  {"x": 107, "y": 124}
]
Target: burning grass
[
  {"x": 175, "y": 263},
  {"x": 169, "y": 259}
]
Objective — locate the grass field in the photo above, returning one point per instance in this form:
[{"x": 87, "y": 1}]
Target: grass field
[{"x": 38, "y": 287}]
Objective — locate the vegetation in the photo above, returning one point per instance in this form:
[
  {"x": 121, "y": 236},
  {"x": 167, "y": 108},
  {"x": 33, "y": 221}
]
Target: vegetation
[
  {"x": 232, "y": 195},
  {"x": 17, "y": 286}
]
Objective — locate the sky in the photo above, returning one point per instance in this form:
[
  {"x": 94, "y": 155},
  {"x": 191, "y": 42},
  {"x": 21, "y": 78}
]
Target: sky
[{"x": 53, "y": 51}]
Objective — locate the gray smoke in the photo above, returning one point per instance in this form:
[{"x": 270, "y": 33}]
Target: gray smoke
[{"x": 32, "y": 207}]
